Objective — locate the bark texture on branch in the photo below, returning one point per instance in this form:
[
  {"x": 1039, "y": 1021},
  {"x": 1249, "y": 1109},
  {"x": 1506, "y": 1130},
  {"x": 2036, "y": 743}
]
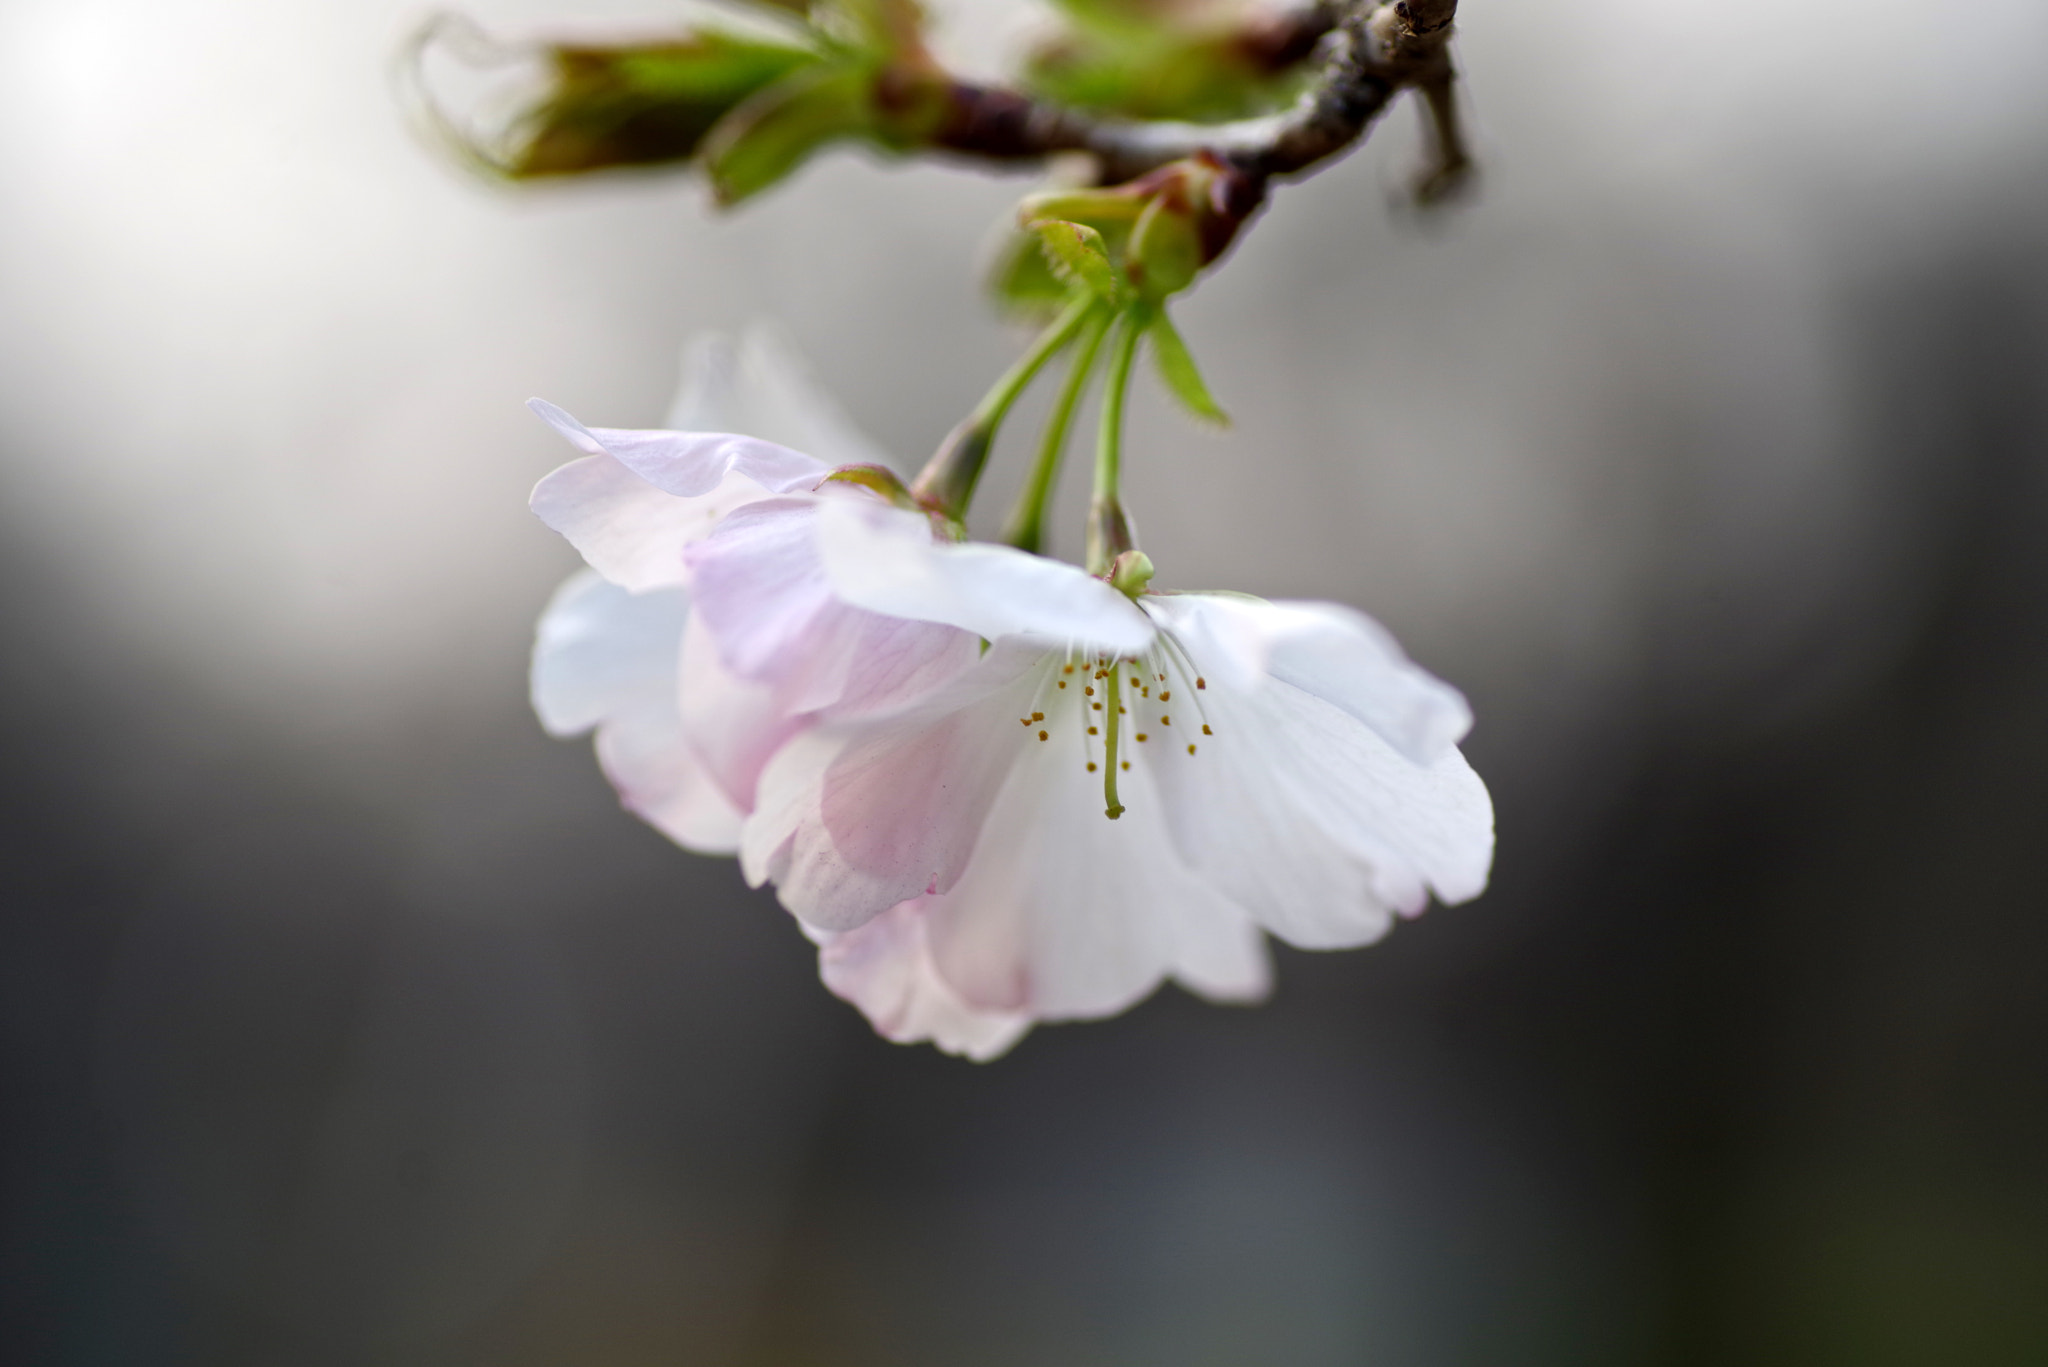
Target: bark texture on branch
[{"x": 1370, "y": 53}]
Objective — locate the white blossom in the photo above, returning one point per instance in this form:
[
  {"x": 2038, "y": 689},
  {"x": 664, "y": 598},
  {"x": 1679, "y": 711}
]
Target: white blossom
[{"x": 994, "y": 788}]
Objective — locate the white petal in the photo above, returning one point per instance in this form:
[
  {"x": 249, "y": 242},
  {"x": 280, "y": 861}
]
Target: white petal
[
  {"x": 1333, "y": 652},
  {"x": 885, "y": 968},
  {"x": 850, "y": 820},
  {"x": 1066, "y": 914},
  {"x": 689, "y": 464},
  {"x": 607, "y": 658},
  {"x": 1235, "y": 818},
  {"x": 1312, "y": 821},
  {"x": 885, "y": 560}
]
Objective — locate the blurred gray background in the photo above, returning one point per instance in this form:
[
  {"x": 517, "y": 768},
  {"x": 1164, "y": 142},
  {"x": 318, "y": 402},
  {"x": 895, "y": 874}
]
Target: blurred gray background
[{"x": 345, "y": 1020}]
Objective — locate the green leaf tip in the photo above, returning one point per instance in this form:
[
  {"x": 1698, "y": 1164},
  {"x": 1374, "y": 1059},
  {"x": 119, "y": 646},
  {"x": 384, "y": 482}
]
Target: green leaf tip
[{"x": 1178, "y": 372}]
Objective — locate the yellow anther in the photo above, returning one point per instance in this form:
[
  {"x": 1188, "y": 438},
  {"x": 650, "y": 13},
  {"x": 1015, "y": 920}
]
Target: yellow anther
[
  {"x": 1041, "y": 735},
  {"x": 1191, "y": 749},
  {"x": 1038, "y": 716},
  {"x": 1141, "y": 735},
  {"x": 1206, "y": 731},
  {"x": 1166, "y": 721}
]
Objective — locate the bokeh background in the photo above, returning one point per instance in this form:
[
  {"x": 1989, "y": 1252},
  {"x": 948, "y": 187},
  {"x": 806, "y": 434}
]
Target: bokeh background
[{"x": 345, "y": 1020}]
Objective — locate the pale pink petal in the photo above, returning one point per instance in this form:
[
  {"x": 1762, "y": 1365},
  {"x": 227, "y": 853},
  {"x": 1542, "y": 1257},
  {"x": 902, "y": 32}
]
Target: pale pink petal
[
  {"x": 850, "y": 820},
  {"x": 762, "y": 591},
  {"x": 885, "y": 560},
  {"x": 689, "y": 464},
  {"x": 1333, "y": 652},
  {"x": 607, "y": 658},
  {"x": 626, "y": 529},
  {"x": 734, "y": 725},
  {"x": 761, "y": 585},
  {"x": 885, "y": 968}
]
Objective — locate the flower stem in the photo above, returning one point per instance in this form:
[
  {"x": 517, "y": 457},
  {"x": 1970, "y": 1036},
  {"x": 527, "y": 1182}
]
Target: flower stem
[
  {"x": 1114, "y": 709},
  {"x": 1109, "y": 531},
  {"x": 946, "y": 484},
  {"x": 1025, "y": 528}
]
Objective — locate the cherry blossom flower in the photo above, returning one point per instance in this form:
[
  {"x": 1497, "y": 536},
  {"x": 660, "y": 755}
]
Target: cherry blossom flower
[
  {"x": 682, "y": 734},
  {"x": 995, "y": 789},
  {"x": 1131, "y": 787},
  {"x": 684, "y": 722}
]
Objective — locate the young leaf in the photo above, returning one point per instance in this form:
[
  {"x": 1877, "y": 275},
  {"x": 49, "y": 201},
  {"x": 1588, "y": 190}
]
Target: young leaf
[
  {"x": 774, "y": 131},
  {"x": 1076, "y": 252},
  {"x": 1177, "y": 370}
]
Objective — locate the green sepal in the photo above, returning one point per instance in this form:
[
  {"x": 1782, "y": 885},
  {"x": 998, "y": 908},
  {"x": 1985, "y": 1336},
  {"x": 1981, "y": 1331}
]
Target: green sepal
[
  {"x": 879, "y": 479},
  {"x": 1021, "y": 280},
  {"x": 776, "y": 130},
  {"x": 1098, "y": 208},
  {"x": 1178, "y": 372},
  {"x": 1077, "y": 253}
]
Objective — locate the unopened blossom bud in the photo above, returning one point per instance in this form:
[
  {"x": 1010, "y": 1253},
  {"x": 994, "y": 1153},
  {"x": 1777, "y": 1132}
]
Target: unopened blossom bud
[
  {"x": 572, "y": 108},
  {"x": 1162, "y": 229},
  {"x": 1130, "y": 572}
]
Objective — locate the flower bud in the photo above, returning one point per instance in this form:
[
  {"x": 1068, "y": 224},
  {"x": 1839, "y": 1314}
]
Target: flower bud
[
  {"x": 1158, "y": 232},
  {"x": 1130, "y": 572},
  {"x": 576, "y": 108}
]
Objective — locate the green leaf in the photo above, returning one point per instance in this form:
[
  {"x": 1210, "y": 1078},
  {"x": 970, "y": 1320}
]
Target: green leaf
[
  {"x": 1177, "y": 371},
  {"x": 1202, "y": 77},
  {"x": 1076, "y": 252},
  {"x": 776, "y": 130}
]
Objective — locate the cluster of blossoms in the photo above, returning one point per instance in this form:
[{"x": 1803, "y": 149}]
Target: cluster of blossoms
[{"x": 993, "y": 787}]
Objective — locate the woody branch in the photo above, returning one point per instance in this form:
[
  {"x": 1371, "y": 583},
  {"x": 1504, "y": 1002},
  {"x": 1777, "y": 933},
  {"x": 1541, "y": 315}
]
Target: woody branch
[{"x": 1369, "y": 54}]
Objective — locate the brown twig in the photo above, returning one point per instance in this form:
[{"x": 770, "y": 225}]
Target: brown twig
[{"x": 1369, "y": 55}]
